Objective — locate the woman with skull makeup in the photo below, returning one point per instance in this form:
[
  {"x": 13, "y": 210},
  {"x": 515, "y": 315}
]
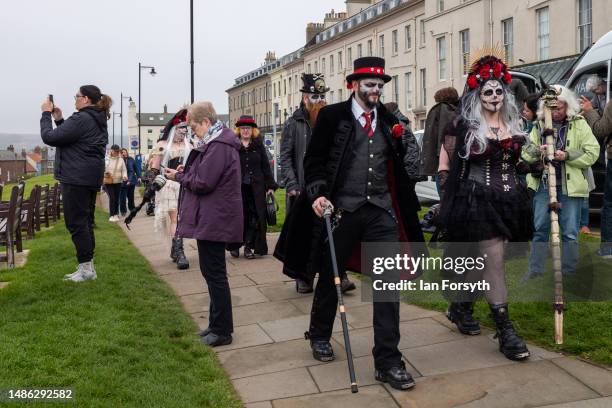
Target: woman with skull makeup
[
  {"x": 484, "y": 204},
  {"x": 171, "y": 151}
]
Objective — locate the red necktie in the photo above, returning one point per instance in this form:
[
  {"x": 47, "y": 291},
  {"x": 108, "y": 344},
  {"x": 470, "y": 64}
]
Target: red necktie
[{"x": 368, "y": 124}]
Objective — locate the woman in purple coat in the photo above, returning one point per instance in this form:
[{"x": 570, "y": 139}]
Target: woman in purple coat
[{"x": 210, "y": 210}]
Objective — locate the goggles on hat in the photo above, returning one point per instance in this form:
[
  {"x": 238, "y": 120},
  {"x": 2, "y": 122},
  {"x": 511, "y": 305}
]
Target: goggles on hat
[{"x": 316, "y": 97}]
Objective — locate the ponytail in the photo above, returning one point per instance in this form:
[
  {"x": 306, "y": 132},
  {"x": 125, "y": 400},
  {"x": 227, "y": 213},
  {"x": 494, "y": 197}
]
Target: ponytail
[
  {"x": 97, "y": 98},
  {"x": 105, "y": 104}
]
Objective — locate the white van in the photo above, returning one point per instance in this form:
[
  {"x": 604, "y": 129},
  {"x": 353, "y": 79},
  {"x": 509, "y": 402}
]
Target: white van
[{"x": 597, "y": 60}]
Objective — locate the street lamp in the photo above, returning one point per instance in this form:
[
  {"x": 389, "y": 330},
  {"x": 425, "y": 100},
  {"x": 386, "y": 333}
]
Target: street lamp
[
  {"x": 191, "y": 42},
  {"x": 152, "y": 72},
  {"x": 115, "y": 114},
  {"x": 121, "y": 114}
]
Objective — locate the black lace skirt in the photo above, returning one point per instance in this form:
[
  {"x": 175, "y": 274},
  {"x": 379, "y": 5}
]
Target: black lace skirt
[{"x": 479, "y": 213}]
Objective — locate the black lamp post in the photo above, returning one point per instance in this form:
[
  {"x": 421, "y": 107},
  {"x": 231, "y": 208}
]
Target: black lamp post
[
  {"x": 121, "y": 115},
  {"x": 115, "y": 114},
  {"x": 152, "y": 72},
  {"x": 191, "y": 41}
]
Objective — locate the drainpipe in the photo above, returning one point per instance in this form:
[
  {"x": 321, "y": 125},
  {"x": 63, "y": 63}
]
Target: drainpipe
[{"x": 491, "y": 22}]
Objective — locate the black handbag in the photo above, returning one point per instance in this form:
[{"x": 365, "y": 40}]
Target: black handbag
[{"x": 271, "y": 208}]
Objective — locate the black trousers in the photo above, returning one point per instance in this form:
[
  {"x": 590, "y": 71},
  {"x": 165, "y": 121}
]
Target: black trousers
[
  {"x": 113, "y": 191},
  {"x": 126, "y": 195},
  {"x": 367, "y": 224},
  {"x": 212, "y": 265},
  {"x": 251, "y": 220},
  {"x": 79, "y": 213}
]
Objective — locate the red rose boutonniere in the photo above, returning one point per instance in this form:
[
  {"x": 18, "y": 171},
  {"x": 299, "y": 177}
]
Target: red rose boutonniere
[{"x": 397, "y": 131}]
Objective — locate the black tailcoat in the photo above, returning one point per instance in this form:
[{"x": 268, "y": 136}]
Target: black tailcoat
[{"x": 302, "y": 235}]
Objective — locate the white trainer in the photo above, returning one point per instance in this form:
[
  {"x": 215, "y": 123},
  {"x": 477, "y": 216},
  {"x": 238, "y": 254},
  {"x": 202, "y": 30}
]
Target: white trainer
[
  {"x": 114, "y": 218},
  {"x": 86, "y": 272},
  {"x": 70, "y": 275}
]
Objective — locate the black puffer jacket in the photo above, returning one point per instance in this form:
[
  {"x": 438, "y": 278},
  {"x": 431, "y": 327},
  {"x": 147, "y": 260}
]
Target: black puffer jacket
[
  {"x": 295, "y": 140},
  {"x": 81, "y": 142}
]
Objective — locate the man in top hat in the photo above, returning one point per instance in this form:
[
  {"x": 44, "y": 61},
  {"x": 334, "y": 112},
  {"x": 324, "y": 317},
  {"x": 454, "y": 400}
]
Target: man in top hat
[
  {"x": 354, "y": 163},
  {"x": 295, "y": 139}
]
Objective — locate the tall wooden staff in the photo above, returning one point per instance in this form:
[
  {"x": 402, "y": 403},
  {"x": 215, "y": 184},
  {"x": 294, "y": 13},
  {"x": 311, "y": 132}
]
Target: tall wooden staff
[{"x": 550, "y": 101}]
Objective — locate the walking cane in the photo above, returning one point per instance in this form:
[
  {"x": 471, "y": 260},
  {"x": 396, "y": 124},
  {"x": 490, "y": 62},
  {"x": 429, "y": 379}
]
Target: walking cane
[
  {"x": 327, "y": 212},
  {"x": 550, "y": 100}
]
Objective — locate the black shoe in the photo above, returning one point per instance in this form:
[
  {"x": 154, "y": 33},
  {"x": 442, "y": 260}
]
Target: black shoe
[
  {"x": 346, "y": 285},
  {"x": 302, "y": 286},
  {"x": 248, "y": 253},
  {"x": 510, "y": 344},
  {"x": 460, "y": 313},
  {"x": 396, "y": 377},
  {"x": 214, "y": 340},
  {"x": 322, "y": 350},
  {"x": 181, "y": 259},
  {"x": 204, "y": 333},
  {"x": 235, "y": 253},
  {"x": 173, "y": 250}
]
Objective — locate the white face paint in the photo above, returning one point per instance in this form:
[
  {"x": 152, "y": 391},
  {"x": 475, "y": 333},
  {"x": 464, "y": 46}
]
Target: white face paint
[
  {"x": 492, "y": 96},
  {"x": 370, "y": 90}
]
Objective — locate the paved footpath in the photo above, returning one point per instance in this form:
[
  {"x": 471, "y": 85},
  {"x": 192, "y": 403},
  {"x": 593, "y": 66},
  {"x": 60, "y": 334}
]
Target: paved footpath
[{"x": 270, "y": 363}]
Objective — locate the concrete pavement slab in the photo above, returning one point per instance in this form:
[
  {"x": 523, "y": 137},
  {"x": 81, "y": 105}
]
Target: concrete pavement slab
[
  {"x": 282, "y": 291},
  {"x": 361, "y": 316},
  {"x": 453, "y": 356},
  {"x": 292, "y": 328},
  {"x": 240, "y": 296},
  {"x": 413, "y": 333},
  {"x": 246, "y": 336},
  {"x": 513, "y": 385},
  {"x": 283, "y": 384},
  {"x": 264, "y": 277},
  {"x": 595, "y": 377},
  {"x": 374, "y": 396},
  {"x": 592, "y": 403},
  {"x": 269, "y": 358},
  {"x": 255, "y": 313},
  {"x": 265, "y": 404}
]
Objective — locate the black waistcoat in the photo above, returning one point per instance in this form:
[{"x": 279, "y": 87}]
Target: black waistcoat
[{"x": 365, "y": 177}]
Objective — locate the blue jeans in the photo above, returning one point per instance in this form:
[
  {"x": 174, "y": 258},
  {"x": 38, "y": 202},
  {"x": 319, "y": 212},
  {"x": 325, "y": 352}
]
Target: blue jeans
[
  {"x": 606, "y": 213},
  {"x": 569, "y": 223},
  {"x": 584, "y": 213}
]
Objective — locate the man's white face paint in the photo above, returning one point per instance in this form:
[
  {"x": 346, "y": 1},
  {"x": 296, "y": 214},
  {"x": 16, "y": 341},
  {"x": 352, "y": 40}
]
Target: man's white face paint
[
  {"x": 492, "y": 96},
  {"x": 370, "y": 90}
]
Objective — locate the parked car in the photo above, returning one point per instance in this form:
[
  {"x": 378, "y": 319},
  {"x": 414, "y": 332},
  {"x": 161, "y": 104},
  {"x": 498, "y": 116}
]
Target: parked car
[{"x": 596, "y": 61}]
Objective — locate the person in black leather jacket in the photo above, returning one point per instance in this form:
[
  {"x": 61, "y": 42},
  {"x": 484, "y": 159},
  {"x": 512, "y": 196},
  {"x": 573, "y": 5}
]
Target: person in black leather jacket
[{"x": 80, "y": 143}]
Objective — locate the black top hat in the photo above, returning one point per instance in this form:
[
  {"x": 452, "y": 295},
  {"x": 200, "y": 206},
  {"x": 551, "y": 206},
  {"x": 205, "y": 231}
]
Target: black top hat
[
  {"x": 246, "y": 120},
  {"x": 368, "y": 67},
  {"x": 314, "y": 84}
]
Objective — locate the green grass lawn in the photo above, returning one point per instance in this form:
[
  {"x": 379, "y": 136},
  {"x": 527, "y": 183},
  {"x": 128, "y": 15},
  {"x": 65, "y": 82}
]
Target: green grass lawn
[
  {"x": 30, "y": 183},
  {"x": 123, "y": 340}
]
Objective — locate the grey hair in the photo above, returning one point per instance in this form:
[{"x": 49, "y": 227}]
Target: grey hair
[
  {"x": 567, "y": 96},
  {"x": 593, "y": 82},
  {"x": 472, "y": 114}
]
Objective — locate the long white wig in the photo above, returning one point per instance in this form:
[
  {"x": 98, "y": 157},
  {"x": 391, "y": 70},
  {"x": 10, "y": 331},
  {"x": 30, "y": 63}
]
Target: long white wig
[
  {"x": 567, "y": 96},
  {"x": 472, "y": 114}
]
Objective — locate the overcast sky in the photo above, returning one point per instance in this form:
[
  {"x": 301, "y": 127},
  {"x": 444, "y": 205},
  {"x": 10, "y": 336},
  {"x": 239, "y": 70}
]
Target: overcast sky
[{"x": 56, "y": 46}]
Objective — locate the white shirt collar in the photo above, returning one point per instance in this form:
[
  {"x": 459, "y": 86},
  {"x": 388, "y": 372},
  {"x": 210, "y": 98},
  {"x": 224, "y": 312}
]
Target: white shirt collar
[{"x": 358, "y": 113}]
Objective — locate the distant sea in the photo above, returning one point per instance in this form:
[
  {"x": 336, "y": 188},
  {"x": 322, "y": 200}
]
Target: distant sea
[{"x": 20, "y": 141}]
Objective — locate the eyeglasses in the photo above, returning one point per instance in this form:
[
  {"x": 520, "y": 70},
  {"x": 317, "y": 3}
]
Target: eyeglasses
[
  {"x": 489, "y": 92},
  {"x": 76, "y": 97},
  {"x": 316, "y": 97}
]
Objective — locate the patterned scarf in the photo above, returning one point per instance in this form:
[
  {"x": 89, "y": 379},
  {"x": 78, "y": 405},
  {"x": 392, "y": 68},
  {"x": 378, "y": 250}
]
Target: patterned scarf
[{"x": 213, "y": 132}]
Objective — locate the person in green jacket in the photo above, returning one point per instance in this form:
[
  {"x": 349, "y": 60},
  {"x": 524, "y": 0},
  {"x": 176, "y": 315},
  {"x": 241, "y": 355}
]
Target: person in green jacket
[{"x": 576, "y": 149}]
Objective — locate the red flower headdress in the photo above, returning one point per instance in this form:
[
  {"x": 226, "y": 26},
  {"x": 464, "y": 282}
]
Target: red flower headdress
[{"x": 487, "y": 65}]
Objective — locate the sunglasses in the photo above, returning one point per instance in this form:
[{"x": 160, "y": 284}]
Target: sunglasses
[
  {"x": 316, "y": 97},
  {"x": 489, "y": 92}
]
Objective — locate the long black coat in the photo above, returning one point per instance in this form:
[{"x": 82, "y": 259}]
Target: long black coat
[
  {"x": 302, "y": 235},
  {"x": 261, "y": 181}
]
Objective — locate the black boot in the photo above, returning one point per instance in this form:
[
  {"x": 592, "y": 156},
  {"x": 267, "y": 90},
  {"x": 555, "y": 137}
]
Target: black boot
[
  {"x": 460, "y": 313},
  {"x": 181, "y": 259},
  {"x": 321, "y": 349},
  {"x": 302, "y": 286},
  {"x": 510, "y": 344},
  {"x": 173, "y": 250}
]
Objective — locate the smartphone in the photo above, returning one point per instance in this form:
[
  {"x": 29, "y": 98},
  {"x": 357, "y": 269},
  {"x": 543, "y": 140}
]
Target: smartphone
[{"x": 51, "y": 99}]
